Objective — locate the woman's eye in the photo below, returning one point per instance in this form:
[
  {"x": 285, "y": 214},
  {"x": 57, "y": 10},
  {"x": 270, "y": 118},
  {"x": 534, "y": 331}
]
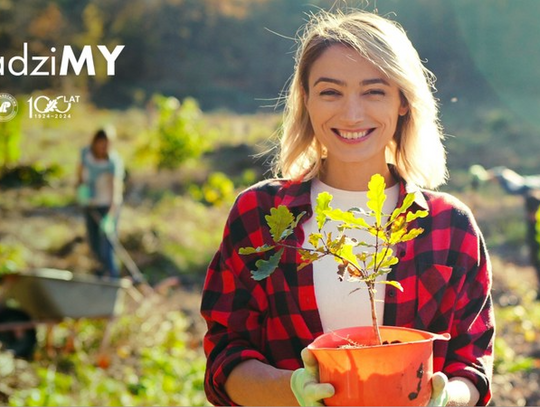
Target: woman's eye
[
  {"x": 329, "y": 92},
  {"x": 376, "y": 92}
]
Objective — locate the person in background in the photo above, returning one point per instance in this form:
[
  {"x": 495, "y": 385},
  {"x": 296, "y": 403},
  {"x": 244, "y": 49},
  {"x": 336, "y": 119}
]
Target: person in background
[
  {"x": 100, "y": 176},
  {"x": 528, "y": 187},
  {"x": 360, "y": 102}
]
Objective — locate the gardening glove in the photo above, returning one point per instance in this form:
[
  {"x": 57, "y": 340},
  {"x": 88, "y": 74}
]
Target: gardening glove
[
  {"x": 83, "y": 194},
  {"x": 439, "y": 392},
  {"x": 107, "y": 224},
  {"x": 305, "y": 382}
]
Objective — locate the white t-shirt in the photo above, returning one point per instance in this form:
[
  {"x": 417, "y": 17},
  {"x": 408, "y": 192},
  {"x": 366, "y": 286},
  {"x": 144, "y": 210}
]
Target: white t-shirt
[{"x": 334, "y": 298}]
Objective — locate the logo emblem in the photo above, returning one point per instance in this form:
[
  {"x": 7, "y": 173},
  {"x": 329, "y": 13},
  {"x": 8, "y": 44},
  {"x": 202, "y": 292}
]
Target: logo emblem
[
  {"x": 43, "y": 107},
  {"x": 8, "y": 107}
]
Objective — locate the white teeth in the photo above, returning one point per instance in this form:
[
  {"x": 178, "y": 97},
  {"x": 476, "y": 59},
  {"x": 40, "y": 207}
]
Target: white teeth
[{"x": 353, "y": 135}]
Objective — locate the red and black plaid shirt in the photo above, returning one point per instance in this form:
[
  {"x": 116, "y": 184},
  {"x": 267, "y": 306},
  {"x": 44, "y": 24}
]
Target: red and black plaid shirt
[{"x": 445, "y": 274}]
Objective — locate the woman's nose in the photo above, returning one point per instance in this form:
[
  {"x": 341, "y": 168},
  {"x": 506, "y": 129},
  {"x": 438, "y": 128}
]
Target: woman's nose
[{"x": 353, "y": 109}]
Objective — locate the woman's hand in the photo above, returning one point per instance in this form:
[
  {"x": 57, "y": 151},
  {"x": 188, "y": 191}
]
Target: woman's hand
[
  {"x": 439, "y": 393},
  {"x": 305, "y": 382}
]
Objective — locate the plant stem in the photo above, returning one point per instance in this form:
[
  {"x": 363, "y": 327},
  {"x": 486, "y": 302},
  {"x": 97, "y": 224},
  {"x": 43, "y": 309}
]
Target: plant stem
[{"x": 374, "y": 319}]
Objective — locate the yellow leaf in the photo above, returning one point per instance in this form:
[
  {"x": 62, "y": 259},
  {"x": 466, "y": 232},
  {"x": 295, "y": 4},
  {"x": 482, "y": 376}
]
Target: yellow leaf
[
  {"x": 346, "y": 252},
  {"x": 322, "y": 206},
  {"x": 348, "y": 219},
  {"x": 407, "y": 202},
  {"x": 411, "y": 234},
  {"x": 418, "y": 214},
  {"x": 376, "y": 196},
  {"x": 314, "y": 239},
  {"x": 392, "y": 283}
]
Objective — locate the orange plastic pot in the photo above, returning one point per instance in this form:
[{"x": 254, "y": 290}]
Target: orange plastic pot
[{"x": 395, "y": 374}]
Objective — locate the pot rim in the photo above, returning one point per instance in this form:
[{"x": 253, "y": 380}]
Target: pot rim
[{"x": 430, "y": 337}]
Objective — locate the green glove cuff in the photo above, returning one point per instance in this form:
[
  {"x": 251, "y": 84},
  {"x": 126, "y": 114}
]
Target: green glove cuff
[
  {"x": 107, "y": 224},
  {"x": 83, "y": 194}
]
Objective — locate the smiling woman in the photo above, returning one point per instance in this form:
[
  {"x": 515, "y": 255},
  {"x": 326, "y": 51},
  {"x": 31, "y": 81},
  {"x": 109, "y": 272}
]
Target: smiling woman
[{"x": 360, "y": 103}]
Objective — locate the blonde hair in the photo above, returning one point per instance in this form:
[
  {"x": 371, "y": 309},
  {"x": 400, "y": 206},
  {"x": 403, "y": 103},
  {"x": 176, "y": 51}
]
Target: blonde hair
[{"x": 416, "y": 150}]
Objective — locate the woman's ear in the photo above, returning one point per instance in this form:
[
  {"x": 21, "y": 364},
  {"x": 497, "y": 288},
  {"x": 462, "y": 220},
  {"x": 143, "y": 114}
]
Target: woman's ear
[
  {"x": 404, "y": 107},
  {"x": 403, "y": 110}
]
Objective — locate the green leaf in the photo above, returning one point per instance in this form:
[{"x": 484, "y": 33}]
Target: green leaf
[
  {"x": 346, "y": 252},
  {"x": 399, "y": 224},
  {"x": 334, "y": 246},
  {"x": 297, "y": 220},
  {"x": 361, "y": 211},
  {"x": 322, "y": 206},
  {"x": 378, "y": 232},
  {"x": 418, "y": 214},
  {"x": 362, "y": 257},
  {"x": 392, "y": 283},
  {"x": 389, "y": 259},
  {"x": 308, "y": 256},
  {"x": 407, "y": 202},
  {"x": 280, "y": 221},
  {"x": 266, "y": 267},
  {"x": 348, "y": 219},
  {"x": 314, "y": 239},
  {"x": 252, "y": 250},
  {"x": 376, "y": 196},
  {"x": 411, "y": 234},
  {"x": 384, "y": 258},
  {"x": 396, "y": 236}
]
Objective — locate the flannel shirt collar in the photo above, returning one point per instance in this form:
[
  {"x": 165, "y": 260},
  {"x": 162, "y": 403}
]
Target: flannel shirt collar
[{"x": 298, "y": 194}]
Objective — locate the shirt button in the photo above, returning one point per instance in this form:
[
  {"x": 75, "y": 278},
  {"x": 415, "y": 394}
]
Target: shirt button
[{"x": 392, "y": 293}]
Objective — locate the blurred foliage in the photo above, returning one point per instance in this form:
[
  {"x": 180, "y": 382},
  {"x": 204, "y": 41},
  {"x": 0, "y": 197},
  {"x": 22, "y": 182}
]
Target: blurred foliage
[
  {"x": 34, "y": 175},
  {"x": 11, "y": 258},
  {"x": 10, "y": 138},
  {"x": 50, "y": 199},
  {"x": 177, "y": 135},
  {"x": 190, "y": 241},
  {"x": 217, "y": 190},
  {"x": 236, "y": 54},
  {"x": 517, "y": 323},
  {"x": 493, "y": 137},
  {"x": 151, "y": 360}
]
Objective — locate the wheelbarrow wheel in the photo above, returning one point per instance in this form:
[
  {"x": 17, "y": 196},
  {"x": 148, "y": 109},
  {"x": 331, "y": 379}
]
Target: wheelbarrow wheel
[{"x": 21, "y": 342}]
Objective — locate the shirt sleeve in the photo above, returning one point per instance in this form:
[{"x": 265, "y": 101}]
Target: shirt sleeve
[
  {"x": 470, "y": 351},
  {"x": 233, "y": 304}
]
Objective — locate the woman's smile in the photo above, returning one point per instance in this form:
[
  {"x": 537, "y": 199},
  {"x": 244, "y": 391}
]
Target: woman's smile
[{"x": 353, "y": 136}]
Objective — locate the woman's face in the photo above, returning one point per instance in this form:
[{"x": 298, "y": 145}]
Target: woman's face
[
  {"x": 101, "y": 148},
  {"x": 353, "y": 108}
]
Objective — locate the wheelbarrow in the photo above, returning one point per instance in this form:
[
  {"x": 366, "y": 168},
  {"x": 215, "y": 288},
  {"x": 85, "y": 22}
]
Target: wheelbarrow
[{"x": 49, "y": 296}]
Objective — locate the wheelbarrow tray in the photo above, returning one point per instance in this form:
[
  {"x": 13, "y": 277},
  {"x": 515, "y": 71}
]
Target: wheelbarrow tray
[{"x": 55, "y": 294}]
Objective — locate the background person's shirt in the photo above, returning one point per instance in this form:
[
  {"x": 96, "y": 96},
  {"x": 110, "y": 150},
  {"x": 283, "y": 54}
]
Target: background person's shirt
[{"x": 101, "y": 176}]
